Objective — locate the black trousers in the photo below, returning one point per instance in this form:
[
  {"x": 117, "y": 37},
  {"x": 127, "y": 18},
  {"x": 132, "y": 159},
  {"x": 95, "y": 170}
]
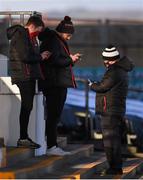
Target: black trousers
[
  {"x": 55, "y": 100},
  {"x": 111, "y": 129},
  {"x": 27, "y": 92}
]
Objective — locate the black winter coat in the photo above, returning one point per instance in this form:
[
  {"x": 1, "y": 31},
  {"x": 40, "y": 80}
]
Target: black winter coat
[
  {"x": 111, "y": 92},
  {"x": 58, "y": 68},
  {"x": 24, "y": 56}
]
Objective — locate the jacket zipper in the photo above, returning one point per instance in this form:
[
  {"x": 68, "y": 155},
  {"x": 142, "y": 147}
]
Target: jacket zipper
[
  {"x": 27, "y": 69},
  {"x": 105, "y": 104},
  {"x": 41, "y": 72}
]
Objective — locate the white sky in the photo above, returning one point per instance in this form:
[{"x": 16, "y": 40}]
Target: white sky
[
  {"x": 65, "y": 4},
  {"x": 73, "y": 5}
]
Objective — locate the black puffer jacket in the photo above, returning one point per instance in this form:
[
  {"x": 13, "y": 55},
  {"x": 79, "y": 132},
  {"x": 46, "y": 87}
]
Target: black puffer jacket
[
  {"x": 58, "y": 69},
  {"x": 24, "y": 56},
  {"x": 111, "y": 92}
]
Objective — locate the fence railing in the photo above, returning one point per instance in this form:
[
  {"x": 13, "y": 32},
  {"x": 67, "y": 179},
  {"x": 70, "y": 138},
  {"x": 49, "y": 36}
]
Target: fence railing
[
  {"x": 135, "y": 90},
  {"x": 21, "y": 14}
]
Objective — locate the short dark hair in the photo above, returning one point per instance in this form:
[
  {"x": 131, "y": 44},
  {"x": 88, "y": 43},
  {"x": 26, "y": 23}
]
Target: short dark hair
[{"x": 36, "y": 21}]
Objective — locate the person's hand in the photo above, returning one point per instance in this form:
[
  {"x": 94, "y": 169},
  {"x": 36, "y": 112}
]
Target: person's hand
[
  {"x": 89, "y": 82},
  {"x": 45, "y": 55},
  {"x": 75, "y": 57}
]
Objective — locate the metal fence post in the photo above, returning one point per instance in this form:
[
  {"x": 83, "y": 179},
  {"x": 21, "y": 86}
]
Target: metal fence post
[{"x": 87, "y": 108}]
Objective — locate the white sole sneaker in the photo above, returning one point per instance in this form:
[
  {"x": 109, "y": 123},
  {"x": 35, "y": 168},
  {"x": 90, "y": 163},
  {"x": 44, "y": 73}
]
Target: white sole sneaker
[{"x": 57, "y": 151}]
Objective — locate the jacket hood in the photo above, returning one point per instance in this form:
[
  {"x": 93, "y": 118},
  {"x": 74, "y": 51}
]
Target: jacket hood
[
  {"x": 46, "y": 34},
  {"x": 14, "y": 29},
  {"x": 125, "y": 64}
]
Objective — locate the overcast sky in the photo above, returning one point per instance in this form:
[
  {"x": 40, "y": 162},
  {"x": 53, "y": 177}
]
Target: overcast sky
[{"x": 72, "y": 6}]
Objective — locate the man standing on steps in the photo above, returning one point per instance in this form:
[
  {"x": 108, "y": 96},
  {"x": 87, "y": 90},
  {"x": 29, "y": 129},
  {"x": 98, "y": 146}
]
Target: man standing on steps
[
  {"x": 58, "y": 77},
  {"x": 24, "y": 69},
  {"x": 111, "y": 95}
]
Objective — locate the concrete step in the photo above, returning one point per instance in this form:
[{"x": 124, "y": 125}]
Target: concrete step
[
  {"x": 34, "y": 167},
  {"x": 131, "y": 167},
  {"x": 82, "y": 168},
  {"x": 15, "y": 155}
]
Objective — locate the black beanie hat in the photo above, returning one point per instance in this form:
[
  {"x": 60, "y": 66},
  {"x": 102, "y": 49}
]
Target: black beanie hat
[
  {"x": 65, "y": 26},
  {"x": 110, "y": 53}
]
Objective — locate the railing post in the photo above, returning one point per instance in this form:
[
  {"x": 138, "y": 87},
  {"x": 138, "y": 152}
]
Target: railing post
[
  {"x": 87, "y": 108},
  {"x": 85, "y": 81},
  {"x": 40, "y": 124},
  {"x": 22, "y": 19}
]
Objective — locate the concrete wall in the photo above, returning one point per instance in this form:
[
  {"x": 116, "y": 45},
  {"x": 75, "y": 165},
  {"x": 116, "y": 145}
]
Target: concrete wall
[
  {"x": 9, "y": 115},
  {"x": 3, "y": 65}
]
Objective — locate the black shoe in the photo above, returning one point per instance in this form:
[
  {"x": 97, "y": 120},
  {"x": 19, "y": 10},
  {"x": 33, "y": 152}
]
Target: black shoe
[
  {"x": 27, "y": 143},
  {"x": 113, "y": 172}
]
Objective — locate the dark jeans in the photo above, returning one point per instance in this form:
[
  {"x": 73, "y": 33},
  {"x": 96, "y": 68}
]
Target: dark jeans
[
  {"x": 27, "y": 92},
  {"x": 111, "y": 129},
  {"x": 55, "y": 99}
]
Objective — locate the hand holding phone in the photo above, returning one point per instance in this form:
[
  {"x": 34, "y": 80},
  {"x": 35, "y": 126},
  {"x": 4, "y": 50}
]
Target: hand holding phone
[
  {"x": 89, "y": 82},
  {"x": 45, "y": 55},
  {"x": 79, "y": 55}
]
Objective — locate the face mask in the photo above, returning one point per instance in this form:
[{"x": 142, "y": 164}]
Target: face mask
[{"x": 34, "y": 34}]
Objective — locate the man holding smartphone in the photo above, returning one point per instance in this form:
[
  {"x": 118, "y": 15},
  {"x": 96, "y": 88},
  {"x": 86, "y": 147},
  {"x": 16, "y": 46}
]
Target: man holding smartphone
[
  {"x": 24, "y": 69},
  {"x": 58, "y": 77},
  {"x": 111, "y": 94}
]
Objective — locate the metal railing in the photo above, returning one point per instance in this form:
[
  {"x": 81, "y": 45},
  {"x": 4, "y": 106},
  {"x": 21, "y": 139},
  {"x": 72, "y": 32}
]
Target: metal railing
[
  {"x": 87, "y": 113},
  {"x": 22, "y": 15},
  {"x": 137, "y": 90},
  {"x": 86, "y": 90}
]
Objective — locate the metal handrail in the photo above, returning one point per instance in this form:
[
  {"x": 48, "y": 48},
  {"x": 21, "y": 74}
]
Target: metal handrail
[
  {"x": 135, "y": 90},
  {"x": 85, "y": 81},
  {"x": 15, "y": 12},
  {"x": 19, "y": 13}
]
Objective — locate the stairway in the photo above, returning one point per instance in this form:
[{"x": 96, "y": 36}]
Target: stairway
[
  {"x": 21, "y": 163},
  {"x": 83, "y": 163}
]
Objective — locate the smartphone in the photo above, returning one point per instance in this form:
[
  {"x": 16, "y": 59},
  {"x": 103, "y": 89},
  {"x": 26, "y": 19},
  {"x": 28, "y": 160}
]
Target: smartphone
[{"x": 80, "y": 57}]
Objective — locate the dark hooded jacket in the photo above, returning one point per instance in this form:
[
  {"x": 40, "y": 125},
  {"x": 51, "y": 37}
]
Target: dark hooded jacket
[
  {"x": 111, "y": 92},
  {"x": 24, "y": 55},
  {"x": 58, "y": 69}
]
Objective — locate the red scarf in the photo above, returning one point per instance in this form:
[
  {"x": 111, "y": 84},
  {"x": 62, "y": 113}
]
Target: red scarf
[{"x": 34, "y": 34}]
